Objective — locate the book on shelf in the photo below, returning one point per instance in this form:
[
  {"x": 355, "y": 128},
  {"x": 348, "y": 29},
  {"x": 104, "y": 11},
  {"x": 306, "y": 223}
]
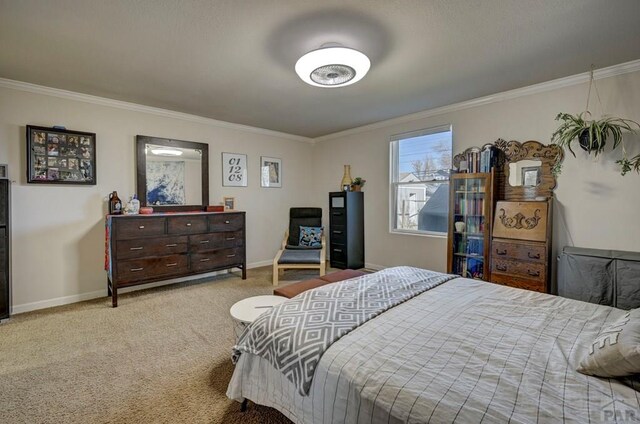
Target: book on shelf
[{"x": 483, "y": 160}]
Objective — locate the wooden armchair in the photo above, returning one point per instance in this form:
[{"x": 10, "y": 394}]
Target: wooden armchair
[{"x": 292, "y": 255}]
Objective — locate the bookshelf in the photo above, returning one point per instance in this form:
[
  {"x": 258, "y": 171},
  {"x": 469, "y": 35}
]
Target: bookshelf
[{"x": 470, "y": 218}]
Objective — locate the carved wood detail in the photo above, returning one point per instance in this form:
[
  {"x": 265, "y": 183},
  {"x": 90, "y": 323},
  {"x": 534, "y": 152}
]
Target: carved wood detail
[{"x": 550, "y": 156}]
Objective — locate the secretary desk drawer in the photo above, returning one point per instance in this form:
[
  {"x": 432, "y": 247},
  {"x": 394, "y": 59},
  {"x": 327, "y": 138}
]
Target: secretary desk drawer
[
  {"x": 226, "y": 222},
  {"x": 529, "y": 270},
  {"x": 156, "y": 246},
  {"x": 520, "y": 283},
  {"x": 187, "y": 224},
  {"x": 129, "y": 228},
  {"x": 148, "y": 268},
  {"x": 212, "y": 241},
  {"x": 519, "y": 251}
]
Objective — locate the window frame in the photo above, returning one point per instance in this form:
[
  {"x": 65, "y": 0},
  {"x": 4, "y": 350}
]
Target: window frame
[{"x": 394, "y": 172}]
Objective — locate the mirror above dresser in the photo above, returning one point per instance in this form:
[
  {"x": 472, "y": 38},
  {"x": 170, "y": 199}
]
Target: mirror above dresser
[{"x": 172, "y": 175}]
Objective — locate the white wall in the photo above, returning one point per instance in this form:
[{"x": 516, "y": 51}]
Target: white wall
[
  {"x": 595, "y": 207},
  {"x": 58, "y": 231}
]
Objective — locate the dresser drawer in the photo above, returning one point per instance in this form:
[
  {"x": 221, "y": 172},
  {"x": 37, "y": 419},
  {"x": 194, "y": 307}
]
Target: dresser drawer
[
  {"x": 528, "y": 270},
  {"x": 156, "y": 246},
  {"x": 129, "y": 228},
  {"x": 338, "y": 252},
  {"x": 519, "y": 251},
  {"x": 506, "y": 280},
  {"x": 187, "y": 224},
  {"x": 216, "y": 259},
  {"x": 212, "y": 241},
  {"x": 226, "y": 222},
  {"x": 337, "y": 217},
  {"x": 148, "y": 268},
  {"x": 338, "y": 234}
]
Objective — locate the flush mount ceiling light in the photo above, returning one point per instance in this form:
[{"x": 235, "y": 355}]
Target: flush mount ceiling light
[
  {"x": 165, "y": 151},
  {"x": 332, "y": 67}
]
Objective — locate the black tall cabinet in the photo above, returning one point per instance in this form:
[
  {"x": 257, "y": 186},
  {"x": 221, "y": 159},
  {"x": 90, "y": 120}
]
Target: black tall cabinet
[
  {"x": 5, "y": 298},
  {"x": 346, "y": 229}
]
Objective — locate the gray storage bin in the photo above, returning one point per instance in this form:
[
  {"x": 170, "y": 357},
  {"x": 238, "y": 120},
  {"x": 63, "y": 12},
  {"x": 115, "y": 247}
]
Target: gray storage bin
[{"x": 606, "y": 277}]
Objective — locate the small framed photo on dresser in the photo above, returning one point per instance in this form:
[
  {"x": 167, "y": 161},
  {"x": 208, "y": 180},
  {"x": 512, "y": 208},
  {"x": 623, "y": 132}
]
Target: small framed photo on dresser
[{"x": 60, "y": 156}]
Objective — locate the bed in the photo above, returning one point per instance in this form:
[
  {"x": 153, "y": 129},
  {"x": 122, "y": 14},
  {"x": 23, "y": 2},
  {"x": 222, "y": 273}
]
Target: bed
[{"x": 461, "y": 351}]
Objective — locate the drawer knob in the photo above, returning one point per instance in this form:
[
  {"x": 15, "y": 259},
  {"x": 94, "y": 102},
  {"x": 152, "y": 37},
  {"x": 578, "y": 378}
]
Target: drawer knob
[
  {"x": 337, "y": 250},
  {"x": 135, "y": 248},
  {"x": 204, "y": 241},
  {"x": 171, "y": 245},
  {"x": 141, "y": 227},
  {"x": 136, "y": 269},
  {"x": 230, "y": 238},
  {"x": 533, "y": 273},
  {"x": 501, "y": 267},
  {"x": 536, "y": 256},
  {"x": 188, "y": 224},
  {"x": 172, "y": 264},
  {"x": 226, "y": 222},
  {"x": 230, "y": 256},
  {"x": 501, "y": 252},
  {"x": 337, "y": 232},
  {"x": 205, "y": 260}
]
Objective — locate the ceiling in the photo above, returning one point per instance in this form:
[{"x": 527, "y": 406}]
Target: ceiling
[{"x": 233, "y": 60}]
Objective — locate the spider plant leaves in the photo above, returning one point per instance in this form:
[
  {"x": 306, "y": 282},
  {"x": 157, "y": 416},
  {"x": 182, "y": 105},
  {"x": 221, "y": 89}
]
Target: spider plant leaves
[{"x": 575, "y": 127}]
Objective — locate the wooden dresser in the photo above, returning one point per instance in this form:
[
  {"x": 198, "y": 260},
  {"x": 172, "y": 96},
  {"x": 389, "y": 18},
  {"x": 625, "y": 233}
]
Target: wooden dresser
[
  {"x": 146, "y": 248},
  {"x": 521, "y": 244}
]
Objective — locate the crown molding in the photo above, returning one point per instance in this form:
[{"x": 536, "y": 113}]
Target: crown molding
[
  {"x": 611, "y": 71},
  {"x": 119, "y": 104}
]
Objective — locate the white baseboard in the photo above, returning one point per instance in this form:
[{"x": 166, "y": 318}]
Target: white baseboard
[
  {"x": 65, "y": 300},
  {"x": 374, "y": 266}
]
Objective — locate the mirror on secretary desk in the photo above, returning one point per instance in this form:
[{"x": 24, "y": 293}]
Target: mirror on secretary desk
[
  {"x": 172, "y": 175},
  {"x": 525, "y": 173},
  {"x": 528, "y": 169}
]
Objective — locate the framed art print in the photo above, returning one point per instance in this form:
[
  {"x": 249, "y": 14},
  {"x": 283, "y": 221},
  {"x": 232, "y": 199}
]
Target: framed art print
[
  {"x": 270, "y": 172},
  {"x": 60, "y": 156},
  {"x": 234, "y": 170}
]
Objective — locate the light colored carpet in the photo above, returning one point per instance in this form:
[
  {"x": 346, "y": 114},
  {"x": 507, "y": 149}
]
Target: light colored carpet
[{"x": 161, "y": 356}]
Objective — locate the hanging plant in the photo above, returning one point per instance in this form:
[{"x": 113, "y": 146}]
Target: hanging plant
[{"x": 592, "y": 134}]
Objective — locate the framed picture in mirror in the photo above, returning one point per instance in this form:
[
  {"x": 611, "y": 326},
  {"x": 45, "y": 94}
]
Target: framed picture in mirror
[{"x": 531, "y": 176}]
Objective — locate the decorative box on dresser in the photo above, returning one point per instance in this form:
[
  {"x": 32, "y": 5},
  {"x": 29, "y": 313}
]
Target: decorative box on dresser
[
  {"x": 5, "y": 249},
  {"x": 521, "y": 245},
  {"x": 346, "y": 229},
  {"x": 148, "y": 248}
]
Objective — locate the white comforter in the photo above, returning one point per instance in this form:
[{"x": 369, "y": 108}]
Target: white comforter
[{"x": 465, "y": 351}]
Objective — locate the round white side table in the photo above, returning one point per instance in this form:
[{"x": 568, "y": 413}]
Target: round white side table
[{"x": 247, "y": 310}]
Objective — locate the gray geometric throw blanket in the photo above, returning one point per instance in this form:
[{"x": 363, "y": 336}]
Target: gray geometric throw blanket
[{"x": 294, "y": 335}]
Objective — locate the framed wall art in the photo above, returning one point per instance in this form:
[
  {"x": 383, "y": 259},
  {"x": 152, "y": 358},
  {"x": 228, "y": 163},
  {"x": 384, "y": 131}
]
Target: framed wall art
[
  {"x": 60, "y": 156},
  {"x": 234, "y": 170},
  {"x": 270, "y": 172}
]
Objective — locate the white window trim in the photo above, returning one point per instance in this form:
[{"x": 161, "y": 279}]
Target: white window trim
[{"x": 393, "y": 186}]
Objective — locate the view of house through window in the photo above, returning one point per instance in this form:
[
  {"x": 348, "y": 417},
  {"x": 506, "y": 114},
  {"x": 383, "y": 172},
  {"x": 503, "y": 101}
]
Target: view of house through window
[{"x": 420, "y": 165}]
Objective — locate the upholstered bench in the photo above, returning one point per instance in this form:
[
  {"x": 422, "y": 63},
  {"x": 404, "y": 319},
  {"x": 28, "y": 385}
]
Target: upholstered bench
[{"x": 296, "y": 288}]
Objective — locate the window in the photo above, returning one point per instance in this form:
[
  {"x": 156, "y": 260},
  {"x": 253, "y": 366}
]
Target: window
[{"x": 420, "y": 165}]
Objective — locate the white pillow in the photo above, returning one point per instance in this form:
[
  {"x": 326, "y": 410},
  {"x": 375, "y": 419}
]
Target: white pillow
[{"x": 616, "y": 350}]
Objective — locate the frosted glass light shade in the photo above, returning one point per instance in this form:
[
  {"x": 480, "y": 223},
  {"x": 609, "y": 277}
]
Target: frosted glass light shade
[{"x": 332, "y": 67}]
